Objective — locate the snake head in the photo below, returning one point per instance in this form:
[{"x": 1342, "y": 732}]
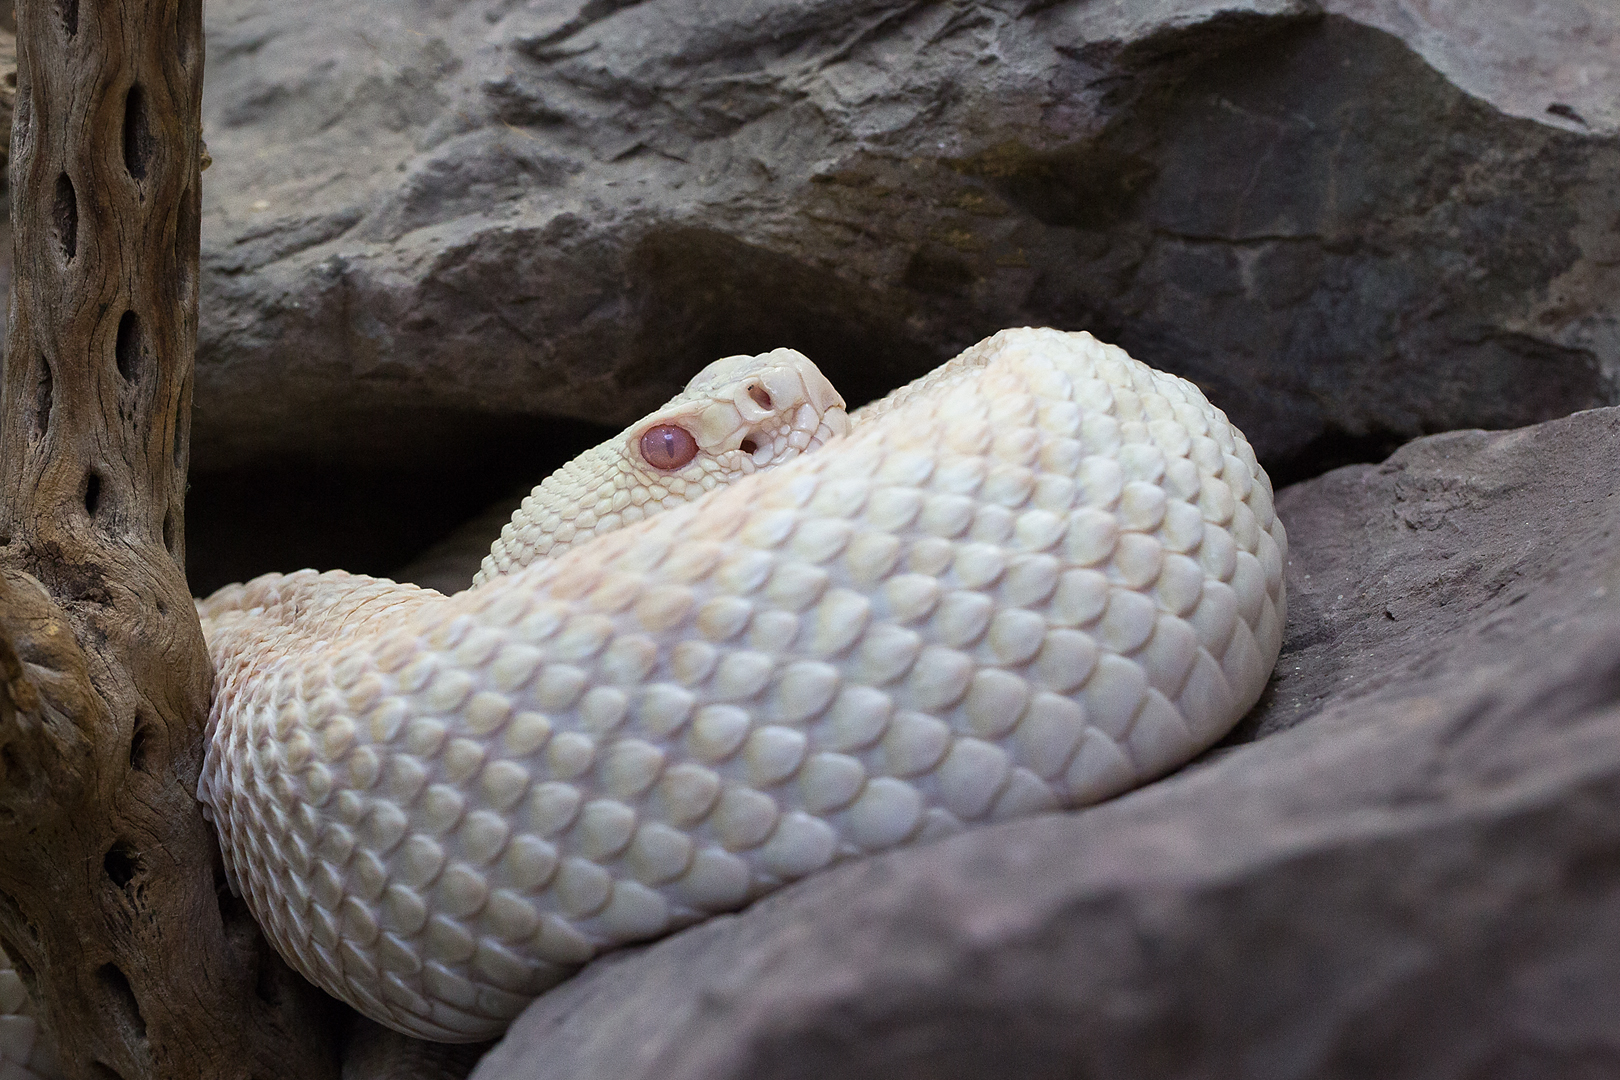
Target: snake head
[{"x": 737, "y": 416}]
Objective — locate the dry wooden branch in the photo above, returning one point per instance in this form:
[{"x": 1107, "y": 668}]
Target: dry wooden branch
[{"x": 110, "y": 889}]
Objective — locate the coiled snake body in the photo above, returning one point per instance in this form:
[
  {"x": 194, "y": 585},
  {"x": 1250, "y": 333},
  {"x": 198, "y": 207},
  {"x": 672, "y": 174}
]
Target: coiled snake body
[{"x": 1033, "y": 579}]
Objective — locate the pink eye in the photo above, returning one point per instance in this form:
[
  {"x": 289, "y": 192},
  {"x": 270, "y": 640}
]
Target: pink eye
[{"x": 668, "y": 447}]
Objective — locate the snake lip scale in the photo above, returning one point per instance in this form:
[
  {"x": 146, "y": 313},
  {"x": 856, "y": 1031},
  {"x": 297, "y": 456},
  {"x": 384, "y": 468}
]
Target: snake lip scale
[{"x": 1033, "y": 579}]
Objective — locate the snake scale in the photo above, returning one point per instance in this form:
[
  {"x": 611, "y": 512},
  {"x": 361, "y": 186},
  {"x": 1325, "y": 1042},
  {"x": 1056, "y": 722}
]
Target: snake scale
[{"x": 1033, "y": 579}]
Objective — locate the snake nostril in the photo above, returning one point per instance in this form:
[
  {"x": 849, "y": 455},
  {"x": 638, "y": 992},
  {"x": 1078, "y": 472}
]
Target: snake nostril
[
  {"x": 761, "y": 396},
  {"x": 748, "y": 446}
]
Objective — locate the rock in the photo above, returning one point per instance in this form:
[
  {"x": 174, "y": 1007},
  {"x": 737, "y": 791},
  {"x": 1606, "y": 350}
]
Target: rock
[
  {"x": 433, "y": 228},
  {"x": 1552, "y": 62},
  {"x": 1493, "y": 541},
  {"x": 1412, "y": 873}
]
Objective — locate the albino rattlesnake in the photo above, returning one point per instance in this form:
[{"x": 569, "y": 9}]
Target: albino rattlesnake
[{"x": 1039, "y": 576}]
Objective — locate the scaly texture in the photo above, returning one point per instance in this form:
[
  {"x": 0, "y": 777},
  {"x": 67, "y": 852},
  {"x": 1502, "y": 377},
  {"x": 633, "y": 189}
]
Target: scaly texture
[{"x": 1039, "y": 577}]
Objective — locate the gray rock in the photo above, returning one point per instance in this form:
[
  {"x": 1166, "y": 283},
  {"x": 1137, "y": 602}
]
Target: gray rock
[
  {"x": 428, "y": 217},
  {"x": 1493, "y": 540},
  {"x": 1548, "y": 60},
  {"x": 1412, "y": 874}
]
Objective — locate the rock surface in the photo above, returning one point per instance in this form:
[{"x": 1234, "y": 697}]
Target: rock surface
[
  {"x": 1415, "y": 873},
  {"x": 435, "y": 227},
  {"x": 1548, "y": 60}
]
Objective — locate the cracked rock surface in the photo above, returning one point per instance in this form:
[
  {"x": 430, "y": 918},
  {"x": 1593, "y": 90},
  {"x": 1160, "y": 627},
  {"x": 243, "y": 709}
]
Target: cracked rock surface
[
  {"x": 1413, "y": 873},
  {"x": 429, "y": 218}
]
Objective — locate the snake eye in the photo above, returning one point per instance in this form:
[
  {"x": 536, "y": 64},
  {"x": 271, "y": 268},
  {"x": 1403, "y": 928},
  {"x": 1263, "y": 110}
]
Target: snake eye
[
  {"x": 761, "y": 396},
  {"x": 668, "y": 447}
]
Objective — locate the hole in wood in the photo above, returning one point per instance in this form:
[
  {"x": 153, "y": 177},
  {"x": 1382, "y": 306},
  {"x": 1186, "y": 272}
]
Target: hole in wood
[
  {"x": 171, "y": 544},
  {"x": 137, "y": 133},
  {"x": 43, "y": 391},
  {"x": 104, "y": 1072},
  {"x": 230, "y": 905},
  {"x": 138, "y": 743},
  {"x": 127, "y": 347},
  {"x": 68, "y": 11},
  {"x": 65, "y": 217},
  {"x": 92, "y": 493},
  {"x": 222, "y": 887},
  {"x": 116, "y": 985},
  {"x": 122, "y": 862}
]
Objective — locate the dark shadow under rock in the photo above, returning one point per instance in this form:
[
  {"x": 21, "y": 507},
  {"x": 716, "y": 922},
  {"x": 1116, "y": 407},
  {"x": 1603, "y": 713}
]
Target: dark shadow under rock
[
  {"x": 367, "y": 514},
  {"x": 450, "y": 563},
  {"x": 1419, "y": 878}
]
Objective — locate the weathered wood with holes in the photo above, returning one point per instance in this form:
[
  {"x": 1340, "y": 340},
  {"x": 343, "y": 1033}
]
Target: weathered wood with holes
[{"x": 110, "y": 895}]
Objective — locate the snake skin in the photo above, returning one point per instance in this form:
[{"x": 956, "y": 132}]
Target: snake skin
[{"x": 1038, "y": 577}]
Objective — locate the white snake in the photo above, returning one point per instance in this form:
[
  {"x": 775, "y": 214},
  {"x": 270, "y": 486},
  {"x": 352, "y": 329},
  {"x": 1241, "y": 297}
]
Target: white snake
[{"x": 1033, "y": 579}]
